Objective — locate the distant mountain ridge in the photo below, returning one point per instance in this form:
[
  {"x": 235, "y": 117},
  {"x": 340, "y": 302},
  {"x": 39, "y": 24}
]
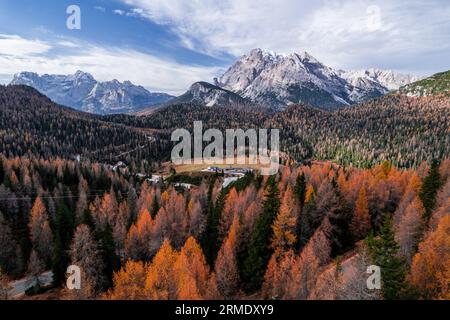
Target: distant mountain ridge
[
  {"x": 262, "y": 78},
  {"x": 209, "y": 95},
  {"x": 82, "y": 92},
  {"x": 279, "y": 80}
]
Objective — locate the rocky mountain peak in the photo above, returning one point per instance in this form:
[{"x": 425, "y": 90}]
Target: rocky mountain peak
[{"x": 81, "y": 91}]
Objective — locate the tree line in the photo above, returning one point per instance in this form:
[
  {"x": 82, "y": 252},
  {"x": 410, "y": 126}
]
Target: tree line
[{"x": 307, "y": 233}]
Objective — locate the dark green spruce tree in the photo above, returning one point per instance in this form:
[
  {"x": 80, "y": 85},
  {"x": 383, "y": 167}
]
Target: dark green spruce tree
[
  {"x": 110, "y": 258},
  {"x": 300, "y": 189},
  {"x": 87, "y": 219},
  {"x": 2, "y": 171},
  {"x": 210, "y": 244},
  {"x": 384, "y": 250},
  {"x": 259, "y": 251},
  {"x": 64, "y": 227},
  {"x": 155, "y": 207},
  {"x": 429, "y": 189}
]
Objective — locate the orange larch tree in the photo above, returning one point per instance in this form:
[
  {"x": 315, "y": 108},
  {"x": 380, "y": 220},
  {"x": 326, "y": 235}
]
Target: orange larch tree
[
  {"x": 191, "y": 272},
  {"x": 430, "y": 270},
  {"x": 409, "y": 230},
  {"x": 129, "y": 282},
  {"x": 360, "y": 225},
  {"x": 40, "y": 232},
  {"x": 160, "y": 283},
  {"x": 284, "y": 227},
  {"x": 227, "y": 273}
]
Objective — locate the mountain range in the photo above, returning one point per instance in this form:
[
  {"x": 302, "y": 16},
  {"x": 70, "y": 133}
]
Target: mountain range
[
  {"x": 262, "y": 78},
  {"x": 279, "y": 80},
  {"x": 361, "y": 135},
  {"x": 82, "y": 92}
]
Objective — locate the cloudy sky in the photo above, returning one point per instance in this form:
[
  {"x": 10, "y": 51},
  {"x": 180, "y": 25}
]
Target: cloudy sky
[{"x": 166, "y": 45}]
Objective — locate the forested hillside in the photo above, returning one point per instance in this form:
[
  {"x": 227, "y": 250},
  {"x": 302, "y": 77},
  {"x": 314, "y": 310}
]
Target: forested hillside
[
  {"x": 306, "y": 233},
  {"x": 434, "y": 85},
  {"x": 32, "y": 125},
  {"x": 403, "y": 130}
]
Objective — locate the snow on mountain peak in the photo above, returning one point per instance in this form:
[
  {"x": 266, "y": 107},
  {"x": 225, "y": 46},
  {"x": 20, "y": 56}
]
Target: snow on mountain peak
[
  {"x": 277, "y": 80},
  {"x": 387, "y": 78},
  {"x": 81, "y": 91}
]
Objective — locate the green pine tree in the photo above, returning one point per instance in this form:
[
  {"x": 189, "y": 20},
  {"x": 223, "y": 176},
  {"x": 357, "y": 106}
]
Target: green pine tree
[
  {"x": 110, "y": 258},
  {"x": 300, "y": 189},
  {"x": 209, "y": 241},
  {"x": 259, "y": 251},
  {"x": 59, "y": 262},
  {"x": 64, "y": 227},
  {"x": 87, "y": 219},
  {"x": 155, "y": 207},
  {"x": 307, "y": 219},
  {"x": 429, "y": 189},
  {"x": 2, "y": 171},
  {"x": 384, "y": 250}
]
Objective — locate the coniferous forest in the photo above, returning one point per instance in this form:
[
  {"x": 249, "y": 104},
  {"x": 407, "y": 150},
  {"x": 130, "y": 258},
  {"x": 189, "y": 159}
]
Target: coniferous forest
[{"x": 360, "y": 186}]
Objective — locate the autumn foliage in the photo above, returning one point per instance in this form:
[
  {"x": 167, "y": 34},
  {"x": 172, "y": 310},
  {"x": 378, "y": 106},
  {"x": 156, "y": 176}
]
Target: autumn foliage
[{"x": 307, "y": 233}]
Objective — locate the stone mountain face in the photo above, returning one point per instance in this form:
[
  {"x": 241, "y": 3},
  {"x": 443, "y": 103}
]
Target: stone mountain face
[
  {"x": 205, "y": 93},
  {"x": 82, "y": 92},
  {"x": 372, "y": 83},
  {"x": 277, "y": 80}
]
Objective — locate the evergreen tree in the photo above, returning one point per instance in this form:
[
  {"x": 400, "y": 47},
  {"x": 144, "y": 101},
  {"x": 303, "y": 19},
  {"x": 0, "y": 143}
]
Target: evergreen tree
[
  {"x": 2, "y": 171},
  {"x": 7, "y": 247},
  {"x": 210, "y": 243},
  {"x": 87, "y": 219},
  {"x": 384, "y": 250},
  {"x": 132, "y": 206},
  {"x": 59, "y": 262},
  {"x": 306, "y": 224},
  {"x": 259, "y": 248},
  {"x": 64, "y": 228},
  {"x": 429, "y": 189},
  {"x": 155, "y": 207},
  {"x": 300, "y": 189},
  {"x": 110, "y": 259}
]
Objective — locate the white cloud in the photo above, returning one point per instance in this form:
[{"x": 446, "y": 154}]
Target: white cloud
[
  {"x": 105, "y": 63},
  {"x": 119, "y": 12},
  {"x": 137, "y": 11},
  {"x": 68, "y": 44},
  {"x": 99, "y": 8},
  {"x": 342, "y": 33},
  {"x": 133, "y": 12},
  {"x": 12, "y": 45}
]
